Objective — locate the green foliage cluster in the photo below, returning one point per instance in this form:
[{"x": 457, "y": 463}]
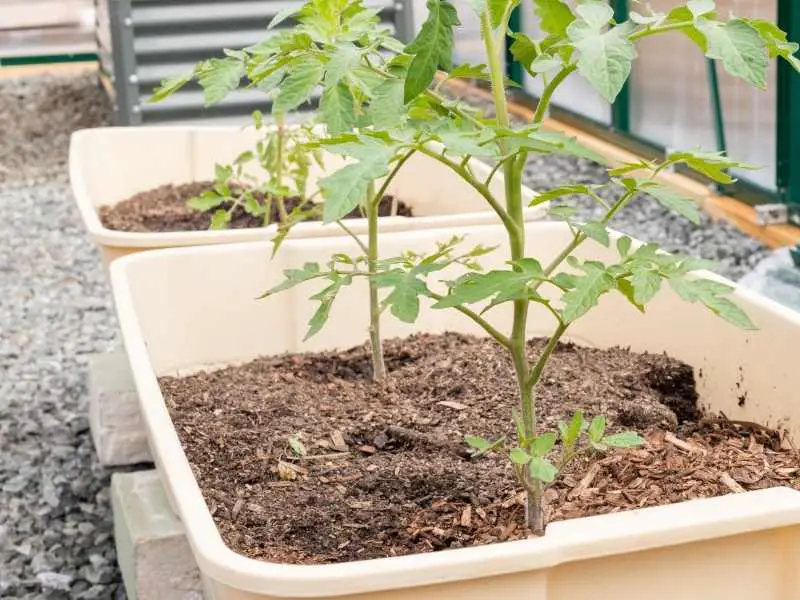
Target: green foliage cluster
[{"x": 380, "y": 103}]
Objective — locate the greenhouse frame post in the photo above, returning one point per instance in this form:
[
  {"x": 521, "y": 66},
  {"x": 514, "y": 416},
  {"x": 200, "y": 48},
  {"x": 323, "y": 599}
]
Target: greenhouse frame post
[
  {"x": 513, "y": 67},
  {"x": 621, "y": 109},
  {"x": 788, "y": 121}
]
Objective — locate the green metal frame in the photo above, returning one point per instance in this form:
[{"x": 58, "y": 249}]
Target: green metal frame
[
  {"x": 621, "y": 109},
  {"x": 46, "y": 59},
  {"x": 513, "y": 69}
]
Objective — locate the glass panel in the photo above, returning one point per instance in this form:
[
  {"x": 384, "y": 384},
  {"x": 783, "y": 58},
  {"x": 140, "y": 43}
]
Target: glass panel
[
  {"x": 671, "y": 102},
  {"x": 575, "y": 94}
]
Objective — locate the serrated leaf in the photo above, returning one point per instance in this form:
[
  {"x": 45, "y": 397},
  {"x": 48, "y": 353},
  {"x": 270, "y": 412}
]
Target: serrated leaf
[
  {"x": 404, "y": 297},
  {"x": 431, "y": 49},
  {"x": 386, "y": 109},
  {"x": 711, "y": 164},
  {"x": 475, "y": 143},
  {"x": 674, "y": 201},
  {"x": 562, "y": 212},
  {"x": 587, "y": 291},
  {"x": 304, "y": 75},
  {"x": 545, "y": 64},
  {"x": 776, "y": 41},
  {"x": 597, "y": 428},
  {"x": 711, "y": 294},
  {"x": 475, "y": 287},
  {"x": 219, "y": 77},
  {"x": 252, "y": 206},
  {"x": 169, "y": 86},
  {"x": 739, "y": 47},
  {"x": 345, "y": 58},
  {"x": 698, "y": 8},
  {"x": 554, "y": 16},
  {"x": 347, "y": 187},
  {"x": 559, "y": 192},
  {"x": 626, "y": 289},
  {"x": 571, "y": 432},
  {"x": 476, "y": 442},
  {"x": 325, "y": 298},
  {"x": 624, "y": 245},
  {"x": 469, "y": 71},
  {"x": 596, "y": 231},
  {"x": 542, "y": 444},
  {"x": 606, "y": 55},
  {"x": 626, "y": 439},
  {"x": 205, "y": 201},
  {"x": 498, "y": 9},
  {"x": 337, "y": 109},
  {"x": 220, "y": 219},
  {"x": 519, "y": 457},
  {"x": 295, "y": 277},
  {"x": 542, "y": 470},
  {"x": 282, "y": 15},
  {"x": 646, "y": 284}
]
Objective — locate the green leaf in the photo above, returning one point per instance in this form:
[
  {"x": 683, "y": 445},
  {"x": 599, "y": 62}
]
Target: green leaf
[
  {"x": 587, "y": 291},
  {"x": 596, "y": 231},
  {"x": 337, "y": 109},
  {"x": 606, "y": 55},
  {"x": 524, "y": 51},
  {"x": 477, "y": 442},
  {"x": 344, "y": 59},
  {"x": 475, "y": 287},
  {"x": 282, "y": 15},
  {"x": 559, "y": 192},
  {"x": 304, "y": 76},
  {"x": 698, "y": 8},
  {"x": 296, "y": 445},
  {"x": 554, "y": 17},
  {"x": 624, "y": 245},
  {"x": 219, "y": 77},
  {"x": 672, "y": 200},
  {"x": 404, "y": 297},
  {"x": 711, "y": 164},
  {"x": 646, "y": 284},
  {"x": 220, "y": 219},
  {"x": 597, "y": 428},
  {"x": 519, "y": 457},
  {"x": 710, "y": 293},
  {"x": 572, "y": 431},
  {"x": 205, "y": 201},
  {"x": 776, "y": 41},
  {"x": 543, "y": 443},
  {"x": 543, "y": 470},
  {"x": 739, "y": 47},
  {"x": 169, "y": 86},
  {"x": 326, "y": 298},
  {"x": 545, "y": 64},
  {"x": 473, "y": 142},
  {"x": 627, "y": 439},
  {"x": 295, "y": 277},
  {"x": 432, "y": 48},
  {"x": 347, "y": 187},
  {"x": 498, "y": 9},
  {"x": 386, "y": 110},
  {"x": 626, "y": 289},
  {"x": 562, "y": 212}
]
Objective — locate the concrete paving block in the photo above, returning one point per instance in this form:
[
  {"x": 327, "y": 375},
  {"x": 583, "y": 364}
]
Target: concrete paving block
[
  {"x": 117, "y": 430},
  {"x": 152, "y": 550}
]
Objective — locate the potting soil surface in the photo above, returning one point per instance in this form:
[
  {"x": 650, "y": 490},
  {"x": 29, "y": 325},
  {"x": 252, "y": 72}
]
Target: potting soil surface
[
  {"x": 164, "y": 209},
  {"x": 386, "y": 471}
]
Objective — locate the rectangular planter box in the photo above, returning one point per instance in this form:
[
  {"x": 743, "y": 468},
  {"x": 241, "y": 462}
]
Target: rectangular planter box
[
  {"x": 736, "y": 547},
  {"x": 108, "y": 165}
]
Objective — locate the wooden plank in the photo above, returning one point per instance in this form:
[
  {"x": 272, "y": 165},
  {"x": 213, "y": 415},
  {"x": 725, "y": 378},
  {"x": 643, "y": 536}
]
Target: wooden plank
[{"x": 716, "y": 206}]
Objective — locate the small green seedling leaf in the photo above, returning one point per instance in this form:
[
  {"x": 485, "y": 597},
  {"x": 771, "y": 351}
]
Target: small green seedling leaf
[
  {"x": 596, "y": 231},
  {"x": 542, "y": 469},
  {"x": 169, "y": 86},
  {"x": 519, "y": 457},
  {"x": 205, "y": 202},
  {"x": 542, "y": 444},
  {"x": 220, "y": 219},
  {"x": 624, "y": 246},
  {"x": 296, "y": 445},
  {"x": 477, "y": 442},
  {"x": 597, "y": 428},
  {"x": 627, "y": 439},
  {"x": 587, "y": 290}
]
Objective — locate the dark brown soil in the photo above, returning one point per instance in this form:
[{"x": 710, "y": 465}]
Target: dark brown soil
[
  {"x": 164, "y": 209},
  {"x": 386, "y": 471}
]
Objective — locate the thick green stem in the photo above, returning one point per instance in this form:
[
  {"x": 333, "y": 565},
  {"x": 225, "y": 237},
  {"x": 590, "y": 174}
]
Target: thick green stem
[
  {"x": 279, "y": 200},
  {"x": 378, "y": 366},
  {"x": 547, "y": 94}
]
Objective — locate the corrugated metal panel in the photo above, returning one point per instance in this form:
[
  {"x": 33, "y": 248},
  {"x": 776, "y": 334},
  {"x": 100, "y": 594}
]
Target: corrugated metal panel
[{"x": 155, "y": 39}]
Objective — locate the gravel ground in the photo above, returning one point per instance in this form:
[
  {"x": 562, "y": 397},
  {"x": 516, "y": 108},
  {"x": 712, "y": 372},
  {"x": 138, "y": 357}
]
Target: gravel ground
[{"x": 55, "y": 518}]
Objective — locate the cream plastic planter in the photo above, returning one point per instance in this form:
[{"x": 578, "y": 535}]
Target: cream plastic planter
[
  {"x": 110, "y": 164},
  {"x": 737, "y": 547}
]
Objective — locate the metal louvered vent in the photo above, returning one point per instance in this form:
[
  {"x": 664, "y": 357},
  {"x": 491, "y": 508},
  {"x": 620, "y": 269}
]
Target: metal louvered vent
[{"x": 142, "y": 42}]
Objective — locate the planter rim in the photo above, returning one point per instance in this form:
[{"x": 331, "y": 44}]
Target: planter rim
[
  {"x": 566, "y": 541},
  {"x": 160, "y": 239}
]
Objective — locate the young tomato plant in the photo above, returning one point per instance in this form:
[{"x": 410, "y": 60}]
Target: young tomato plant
[
  {"x": 380, "y": 109},
  {"x": 286, "y": 162}
]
